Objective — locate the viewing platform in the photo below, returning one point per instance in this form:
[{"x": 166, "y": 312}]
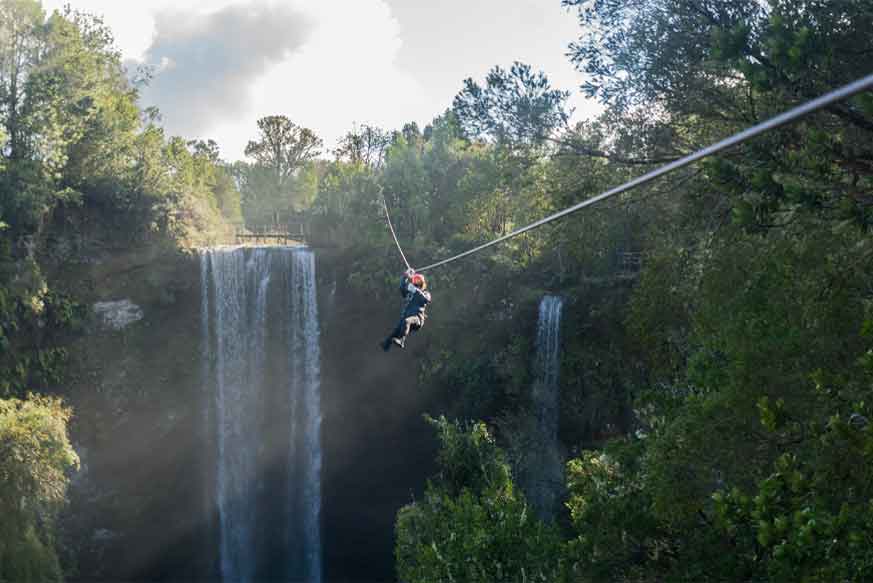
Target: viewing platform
[{"x": 272, "y": 234}]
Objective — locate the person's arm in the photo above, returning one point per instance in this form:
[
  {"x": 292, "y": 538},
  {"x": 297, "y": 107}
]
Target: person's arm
[
  {"x": 406, "y": 282},
  {"x": 417, "y": 291}
]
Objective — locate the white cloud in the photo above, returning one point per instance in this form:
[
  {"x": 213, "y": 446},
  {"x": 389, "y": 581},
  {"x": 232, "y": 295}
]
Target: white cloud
[
  {"x": 133, "y": 22},
  {"x": 204, "y": 66},
  {"x": 382, "y": 62},
  {"x": 345, "y": 74}
]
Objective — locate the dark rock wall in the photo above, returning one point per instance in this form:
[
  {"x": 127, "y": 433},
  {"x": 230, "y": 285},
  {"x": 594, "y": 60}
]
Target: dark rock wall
[
  {"x": 139, "y": 507},
  {"x": 377, "y": 449}
]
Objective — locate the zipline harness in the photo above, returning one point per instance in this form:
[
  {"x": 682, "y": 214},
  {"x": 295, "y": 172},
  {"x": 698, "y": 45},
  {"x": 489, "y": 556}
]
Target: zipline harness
[{"x": 789, "y": 116}]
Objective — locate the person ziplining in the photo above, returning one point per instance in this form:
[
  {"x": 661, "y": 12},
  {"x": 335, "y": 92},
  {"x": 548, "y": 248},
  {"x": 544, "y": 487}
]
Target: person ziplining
[
  {"x": 413, "y": 288},
  {"x": 416, "y": 296}
]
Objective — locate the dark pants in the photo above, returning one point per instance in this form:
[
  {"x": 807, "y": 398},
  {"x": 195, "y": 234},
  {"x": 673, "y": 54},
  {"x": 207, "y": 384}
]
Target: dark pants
[{"x": 405, "y": 325}]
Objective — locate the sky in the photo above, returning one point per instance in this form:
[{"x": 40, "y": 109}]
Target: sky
[{"x": 327, "y": 64}]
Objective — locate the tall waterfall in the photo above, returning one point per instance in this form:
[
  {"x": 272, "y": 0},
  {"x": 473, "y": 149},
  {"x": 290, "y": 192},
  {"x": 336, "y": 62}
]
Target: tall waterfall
[
  {"x": 305, "y": 386},
  {"x": 260, "y": 339},
  {"x": 545, "y": 479}
]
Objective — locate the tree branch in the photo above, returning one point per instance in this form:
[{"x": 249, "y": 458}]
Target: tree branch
[{"x": 580, "y": 150}]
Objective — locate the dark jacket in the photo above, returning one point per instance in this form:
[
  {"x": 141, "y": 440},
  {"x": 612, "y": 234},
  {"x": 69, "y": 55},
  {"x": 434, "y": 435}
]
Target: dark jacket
[{"x": 416, "y": 300}]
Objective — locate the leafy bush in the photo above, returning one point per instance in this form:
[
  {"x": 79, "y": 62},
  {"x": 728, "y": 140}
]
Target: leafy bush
[
  {"x": 472, "y": 524},
  {"x": 35, "y": 456}
]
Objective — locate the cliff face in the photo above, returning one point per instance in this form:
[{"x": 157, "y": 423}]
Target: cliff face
[
  {"x": 377, "y": 449},
  {"x": 139, "y": 506}
]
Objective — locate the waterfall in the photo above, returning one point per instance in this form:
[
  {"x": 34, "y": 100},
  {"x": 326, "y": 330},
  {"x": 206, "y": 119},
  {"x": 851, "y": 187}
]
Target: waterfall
[
  {"x": 261, "y": 362},
  {"x": 545, "y": 479},
  {"x": 548, "y": 364},
  {"x": 304, "y": 387}
]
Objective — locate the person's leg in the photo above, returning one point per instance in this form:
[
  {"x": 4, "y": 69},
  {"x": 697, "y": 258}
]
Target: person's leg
[
  {"x": 402, "y": 328},
  {"x": 397, "y": 335},
  {"x": 405, "y": 326},
  {"x": 417, "y": 323}
]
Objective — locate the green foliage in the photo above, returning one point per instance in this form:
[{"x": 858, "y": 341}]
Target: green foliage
[
  {"x": 658, "y": 320},
  {"x": 610, "y": 510},
  {"x": 74, "y": 135},
  {"x": 470, "y": 459},
  {"x": 730, "y": 64},
  {"x": 516, "y": 108},
  {"x": 366, "y": 145},
  {"x": 35, "y": 456},
  {"x": 748, "y": 457},
  {"x": 808, "y": 520},
  {"x": 31, "y": 315},
  {"x": 472, "y": 525},
  {"x": 282, "y": 179}
]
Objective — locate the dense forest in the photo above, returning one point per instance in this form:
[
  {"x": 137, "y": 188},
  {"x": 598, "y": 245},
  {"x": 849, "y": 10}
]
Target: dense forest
[{"x": 717, "y": 348}]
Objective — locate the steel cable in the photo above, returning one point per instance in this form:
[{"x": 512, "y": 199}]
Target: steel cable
[
  {"x": 393, "y": 234},
  {"x": 789, "y": 116}
]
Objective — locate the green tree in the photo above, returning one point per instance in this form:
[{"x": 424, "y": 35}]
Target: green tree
[
  {"x": 472, "y": 525},
  {"x": 729, "y": 65},
  {"x": 22, "y": 35},
  {"x": 35, "y": 456},
  {"x": 364, "y": 145},
  {"x": 616, "y": 535},
  {"x": 281, "y": 151},
  {"x": 217, "y": 178},
  {"x": 69, "y": 113},
  {"x": 515, "y": 108}
]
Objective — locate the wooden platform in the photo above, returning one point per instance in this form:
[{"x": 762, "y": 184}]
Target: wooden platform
[
  {"x": 283, "y": 238},
  {"x": 276, "y": 234}
]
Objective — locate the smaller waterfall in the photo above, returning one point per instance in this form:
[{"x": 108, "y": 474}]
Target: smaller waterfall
[
  {"x": 545, "y": 476},
  {"x": 548, "y": 365}
]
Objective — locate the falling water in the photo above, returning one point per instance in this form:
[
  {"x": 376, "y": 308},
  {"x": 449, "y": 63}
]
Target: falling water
[
  {"x": 546, "y": 477},
  {"x": 548, "y": 362},
  {"x": 305, "y": 389},
  {"x": 261, "y": 361}
]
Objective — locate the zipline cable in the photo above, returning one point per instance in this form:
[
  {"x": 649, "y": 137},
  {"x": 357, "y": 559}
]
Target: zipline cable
[
  {"x": 789, "y": 116},
  {"x": 393, "y": 234}
]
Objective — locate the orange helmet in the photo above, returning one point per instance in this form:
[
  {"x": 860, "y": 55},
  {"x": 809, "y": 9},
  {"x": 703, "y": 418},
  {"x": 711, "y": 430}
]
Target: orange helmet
[{"x": 418, "y": 280}]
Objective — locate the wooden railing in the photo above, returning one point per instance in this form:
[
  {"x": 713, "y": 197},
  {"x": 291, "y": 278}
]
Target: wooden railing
[{"x": 284, "y": 233}]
